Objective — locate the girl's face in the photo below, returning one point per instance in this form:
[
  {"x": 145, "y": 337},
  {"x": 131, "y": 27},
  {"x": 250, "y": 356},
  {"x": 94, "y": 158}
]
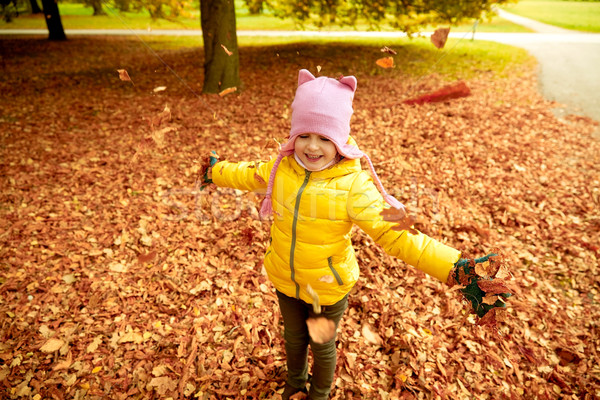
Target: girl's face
[{"x": 315, "y": 151}]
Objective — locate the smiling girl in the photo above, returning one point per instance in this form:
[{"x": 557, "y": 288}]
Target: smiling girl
[{"x": 317, "y": 190}]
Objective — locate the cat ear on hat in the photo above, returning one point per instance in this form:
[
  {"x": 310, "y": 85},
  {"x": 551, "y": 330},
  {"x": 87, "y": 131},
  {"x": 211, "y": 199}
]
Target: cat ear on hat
[
  {"x": 305, "y": 76},
  {"x": 349, "y": 81}
]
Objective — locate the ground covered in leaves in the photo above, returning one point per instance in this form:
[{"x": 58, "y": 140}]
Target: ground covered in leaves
[{"x": 120, "y": 279}]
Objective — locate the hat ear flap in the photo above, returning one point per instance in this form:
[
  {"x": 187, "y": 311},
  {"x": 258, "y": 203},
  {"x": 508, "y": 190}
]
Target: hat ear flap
[
  {"x": 304, "y": 76},
  {"x": 349, "y": 81}
]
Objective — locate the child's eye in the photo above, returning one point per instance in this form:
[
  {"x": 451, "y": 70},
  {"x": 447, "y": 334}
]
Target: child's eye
[
  {"x": 325, "y": 139},
  {"x": 303, "y": 136}
]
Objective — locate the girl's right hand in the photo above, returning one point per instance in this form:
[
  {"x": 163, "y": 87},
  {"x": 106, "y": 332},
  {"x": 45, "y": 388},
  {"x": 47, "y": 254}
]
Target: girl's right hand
[{"x": 206, "y": 169}]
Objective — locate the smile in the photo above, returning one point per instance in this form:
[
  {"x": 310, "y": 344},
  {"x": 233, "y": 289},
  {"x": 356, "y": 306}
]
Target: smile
[{"x": 310, "y": 157}]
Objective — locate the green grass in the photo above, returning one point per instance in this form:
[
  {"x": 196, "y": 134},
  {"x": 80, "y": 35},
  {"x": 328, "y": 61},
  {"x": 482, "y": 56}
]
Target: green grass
[
  {"x": 576, "y": 15},
  {"x": 459, "y": 59},
  {"x": 77, "y": 16}
]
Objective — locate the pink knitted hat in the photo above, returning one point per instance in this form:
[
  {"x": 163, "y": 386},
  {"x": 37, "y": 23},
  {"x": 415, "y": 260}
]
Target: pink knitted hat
[{"x": 323, "y": 106}]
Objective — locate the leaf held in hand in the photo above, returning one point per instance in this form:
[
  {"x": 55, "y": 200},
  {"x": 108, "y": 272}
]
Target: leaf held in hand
[
  {"x": 439, "y": 37},
  {"x": 496, "y": 286}
]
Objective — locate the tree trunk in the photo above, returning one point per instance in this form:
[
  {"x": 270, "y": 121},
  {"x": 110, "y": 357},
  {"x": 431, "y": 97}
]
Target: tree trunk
[
  {"x": 221, "y": 70},
  {"x": 35, "y": 8},
  {"x": 55, "y": 28},
  {"x": 97, "y": 6}
]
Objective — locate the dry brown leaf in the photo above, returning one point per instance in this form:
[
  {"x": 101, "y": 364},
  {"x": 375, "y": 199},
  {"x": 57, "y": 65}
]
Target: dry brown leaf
[
  {"x": 491, "y": 287},
  {"x": 52, "y": 345},
  {"x": 370, "y": 336},
  {"x": 321, "y": 329},
  {"x": 386, "y": 49},
  {"x": 229, "y": 53},
  {"x": 403, "y": 221},
  {"x": 124, "y": 76},
  {"x": 227, "y": 91},
  {"x": 439, "y": 37},
  {"x": 385, "y": 62}
]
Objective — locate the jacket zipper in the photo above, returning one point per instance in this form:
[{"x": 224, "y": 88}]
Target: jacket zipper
[
  {"x": 338, "y": 278},
  {"x": 294, "y": 223}
]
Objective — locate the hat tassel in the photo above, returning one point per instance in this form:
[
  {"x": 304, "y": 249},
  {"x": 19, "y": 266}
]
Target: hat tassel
[
  {"x": 391, "y": 200},
  {"x": 266, "y": 207}
]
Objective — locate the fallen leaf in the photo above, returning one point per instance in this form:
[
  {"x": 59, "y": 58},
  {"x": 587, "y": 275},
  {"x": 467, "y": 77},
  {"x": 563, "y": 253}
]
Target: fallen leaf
[
  {"x": 159, "y": 89},
  {"x": 162, "y": 385},
  {"x": 370, "y": 336},
  {"x": 227, "y": 91},
  {"x": 146, "y": 258},
  {"x": 52, "y": 345}
]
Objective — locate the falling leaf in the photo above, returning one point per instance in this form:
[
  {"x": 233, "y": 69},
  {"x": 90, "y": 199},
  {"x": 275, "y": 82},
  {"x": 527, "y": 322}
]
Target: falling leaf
[
  {"x": 227, "y": 91},
  {"x": 321, "y": 329},
  {"x": 159, "y": 89},
  {"x": 52, "y": 345},
  {"x": 124, "y": 76},
  {"x": 403, "y": 221},
  {"x": 385, "y": 62},
  {"x": 259, "y": 179},
  {"x": 229, "y": 53},
  {"x": 386, "y": 49},
  {"x": 439, "y": 37},
  {"x": 448, "y": 92}
]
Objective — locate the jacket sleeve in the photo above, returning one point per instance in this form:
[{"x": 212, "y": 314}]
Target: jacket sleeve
[
  {"x": 250, "y": 176},
  {"x": 420, "y": 251}
]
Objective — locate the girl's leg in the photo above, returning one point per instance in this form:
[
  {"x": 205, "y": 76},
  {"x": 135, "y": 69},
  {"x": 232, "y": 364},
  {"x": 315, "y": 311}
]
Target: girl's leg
[
  {"x": 325, "y": 355},
  {"x": 295, "y": 313}
]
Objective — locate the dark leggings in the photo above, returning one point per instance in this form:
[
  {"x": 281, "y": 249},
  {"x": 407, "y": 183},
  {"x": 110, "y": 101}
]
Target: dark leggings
[{"x": 295, "y": 312}]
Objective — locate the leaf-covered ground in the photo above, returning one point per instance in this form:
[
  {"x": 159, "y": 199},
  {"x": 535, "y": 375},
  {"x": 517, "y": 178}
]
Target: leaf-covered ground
[{"x": 120, "y": 279}]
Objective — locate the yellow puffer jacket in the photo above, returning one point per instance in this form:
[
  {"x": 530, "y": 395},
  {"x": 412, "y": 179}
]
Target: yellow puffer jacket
[{"x": 313, "y": 214}]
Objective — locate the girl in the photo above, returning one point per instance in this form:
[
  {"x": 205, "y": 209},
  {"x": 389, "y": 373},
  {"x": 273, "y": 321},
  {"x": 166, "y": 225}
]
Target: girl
[{"x": 316, "y": 190}]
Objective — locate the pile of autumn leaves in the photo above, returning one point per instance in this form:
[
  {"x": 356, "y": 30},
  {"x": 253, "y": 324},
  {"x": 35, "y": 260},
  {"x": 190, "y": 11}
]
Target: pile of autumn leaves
[{"x": 121, "y": 279}]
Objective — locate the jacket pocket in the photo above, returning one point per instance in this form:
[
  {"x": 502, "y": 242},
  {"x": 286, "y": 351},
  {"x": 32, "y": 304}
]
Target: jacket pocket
[{"x": 337, "y": 276}]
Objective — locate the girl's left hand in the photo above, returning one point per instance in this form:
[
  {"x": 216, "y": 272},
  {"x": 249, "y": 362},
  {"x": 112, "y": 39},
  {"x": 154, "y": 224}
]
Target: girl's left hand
[{"x": 482, "y": 281}]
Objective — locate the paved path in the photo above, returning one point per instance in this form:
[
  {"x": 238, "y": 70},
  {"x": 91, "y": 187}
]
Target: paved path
[{"x": 569, "y": 60}]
